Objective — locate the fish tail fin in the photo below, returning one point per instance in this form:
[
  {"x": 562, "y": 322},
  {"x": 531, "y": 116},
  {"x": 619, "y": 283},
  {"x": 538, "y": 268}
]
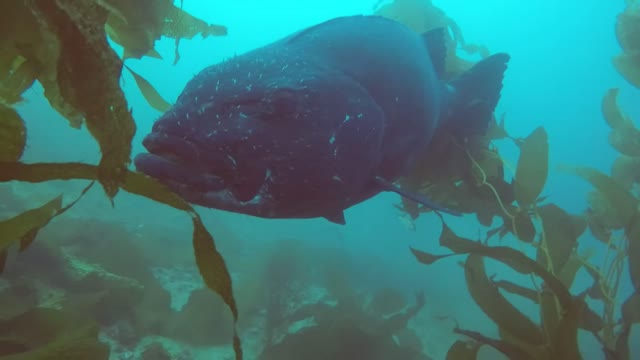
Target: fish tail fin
[{"x": 475, "y": 95}]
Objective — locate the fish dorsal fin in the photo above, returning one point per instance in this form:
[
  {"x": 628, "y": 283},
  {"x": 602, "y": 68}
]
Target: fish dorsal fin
[
  {"x": 419, "y": 198},
  {"x": 434, "y": 40},
  {"x": 336, "y": 218}
]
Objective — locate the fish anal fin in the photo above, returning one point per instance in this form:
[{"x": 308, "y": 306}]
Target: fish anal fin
[{"x": 336, "y": 218}]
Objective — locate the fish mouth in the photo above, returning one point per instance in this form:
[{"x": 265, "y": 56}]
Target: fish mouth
[{"x": 211, "y": 181}]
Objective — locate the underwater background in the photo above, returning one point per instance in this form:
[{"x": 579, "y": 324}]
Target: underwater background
[{"x": 148, "y": 292}]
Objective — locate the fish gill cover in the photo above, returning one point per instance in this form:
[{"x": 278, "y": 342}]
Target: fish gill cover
[{"x": 44, "y": 40}]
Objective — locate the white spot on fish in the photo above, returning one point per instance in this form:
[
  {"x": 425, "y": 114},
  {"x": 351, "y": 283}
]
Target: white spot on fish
[{"x": 233, "y": 161}]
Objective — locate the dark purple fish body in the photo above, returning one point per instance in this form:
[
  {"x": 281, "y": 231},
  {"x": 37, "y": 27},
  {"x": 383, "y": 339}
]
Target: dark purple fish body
[{"x": 314, "y": 123}]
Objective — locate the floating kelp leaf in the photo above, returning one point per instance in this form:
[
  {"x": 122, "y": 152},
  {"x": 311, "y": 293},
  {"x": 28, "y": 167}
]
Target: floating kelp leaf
[
  {"x": 216, "y": 275},
  {"x": 26, "y": 41},
  {"x": 88, "y": 74},
  {"x": 17, "y": 27},
  {"x": 628, "y": 28},
  {"x": 214, "y": 271},
  {"x": 181, "y": 25},
  {"x": 601, "y": 221},
  {"x": 13, "y": 134},
  {"x": 496, "y": 307},
  {"x": 516, "y": 289},
  {"x": 629, "y": 67},
  {"x": 624, "y": 137},
  {"x": 622, "y": 205},
  {"x": 43, "y": 334},
  {"x": 561, "y": 231},
  {"x": 510, "y": 350},
  {"x": 509, "y": 256},
  {"x": 136, "y": 25},
  {"x": 626, "y": 171},
  {"x": 589, "y": 320},
  {"x": 19, "y": 226},
  {"x": 633, "y": 251},
  {"x": 568, "y": 272},
  {"x": 533, "y": 168},
  {"x": 628, "y": 35},
  {"x": 523, "y": 226},
  {"x": 149, "y": 92},
  {"x": 421, "y": 16},
  {"x": 427, "y": 258},
  {"x": 25, "y": 226},
  {"x": 463, "y": 350},
  {"x": 611, "y": 111},
  {"x": 626, "y": 140},
  {"x": 16, "y": 77}
]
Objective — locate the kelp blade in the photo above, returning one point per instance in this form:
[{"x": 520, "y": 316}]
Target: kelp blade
[{"x": 210, "y": 262}]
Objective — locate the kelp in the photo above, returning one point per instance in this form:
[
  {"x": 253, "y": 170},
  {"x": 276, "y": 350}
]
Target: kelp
[
  {"x": 532, "y": 170},
  {"x": 624, "y": 136},
  {"x": 555, "y": 337},
  {"x": 63, "y": 45},
  {"x": 627, "y": 31},
  {"x": 496, "y": 306},
  {"x": 150, "y": 94},
  {"x": 472, "y": 180},
  {"x": 23, "y": 228},
  {"x": 210, "y": 262},
  {"x": 422, "y": 16},
  {"x": 85, "y": 71},
  {"x": 137, "y": 25},
  {"x": 13, "y": 134}
]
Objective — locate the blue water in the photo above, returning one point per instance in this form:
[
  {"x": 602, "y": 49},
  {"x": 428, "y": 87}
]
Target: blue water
[{"x": 559, "y": 70}]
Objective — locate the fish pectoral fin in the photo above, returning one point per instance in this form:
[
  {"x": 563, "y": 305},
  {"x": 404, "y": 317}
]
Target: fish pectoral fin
[
  {"x": 337, "y": 218},
  {"x": 417, "y": 197}
]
